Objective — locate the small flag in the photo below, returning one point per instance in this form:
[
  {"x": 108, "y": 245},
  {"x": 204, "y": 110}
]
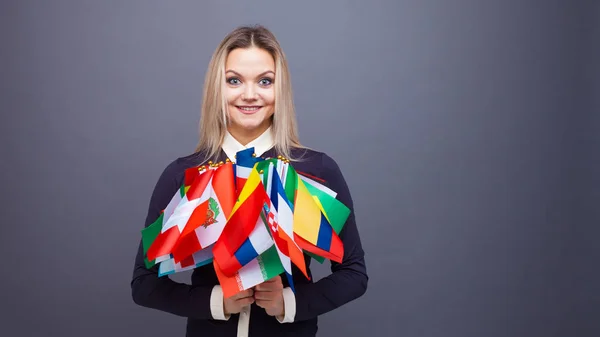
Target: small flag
[
  {"x": 198, "y": 259},
  {"x": 176, "y": 223},
  {"x": 261, "y": 269},
  {"x": 285, "y": 223},
  {"x": 244, "y": 216},
  {"x": 208, "y": 219},
  {"x": 312, "y": 227}
]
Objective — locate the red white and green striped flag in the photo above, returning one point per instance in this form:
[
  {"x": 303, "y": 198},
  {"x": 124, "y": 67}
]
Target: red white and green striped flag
[
  {"x": 160, "y": 256},
  {"x": 176, "y": 223},
  {"x": 150, "y": 233},
  {"x": 266, "y": 266},
  {"x": 210, "y": 216}
]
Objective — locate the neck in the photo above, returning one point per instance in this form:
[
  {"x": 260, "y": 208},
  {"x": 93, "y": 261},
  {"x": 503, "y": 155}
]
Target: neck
[{"x": 246, "y": 136}]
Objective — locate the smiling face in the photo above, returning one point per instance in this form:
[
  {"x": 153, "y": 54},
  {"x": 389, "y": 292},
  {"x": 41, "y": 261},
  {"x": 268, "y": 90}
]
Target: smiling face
[{"x": 250, "y": 92}]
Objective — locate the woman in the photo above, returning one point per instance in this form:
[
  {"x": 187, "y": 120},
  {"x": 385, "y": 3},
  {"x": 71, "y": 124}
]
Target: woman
[{"x": 248, "y": 103}]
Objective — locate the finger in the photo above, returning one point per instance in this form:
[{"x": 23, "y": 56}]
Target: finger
[
  {"x": 270, "y": 284},
  {"x": 269, "y": 287},
  {"x": 246, "y": 301},
  {"x": 265, "y": 296},
  {"x": 265, "y": 283},
  {"x": 275, "y": 279},
  {"x": 264, "y": 303},
  {"x": 245, "y": 293}
]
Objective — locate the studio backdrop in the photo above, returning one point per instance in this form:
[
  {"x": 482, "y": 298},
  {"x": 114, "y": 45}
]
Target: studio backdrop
[{"x": 467, "y": 132}]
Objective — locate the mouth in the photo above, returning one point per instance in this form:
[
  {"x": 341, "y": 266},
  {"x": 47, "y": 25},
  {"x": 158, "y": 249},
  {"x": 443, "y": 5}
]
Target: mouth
[{"x": 248, "y": 109}]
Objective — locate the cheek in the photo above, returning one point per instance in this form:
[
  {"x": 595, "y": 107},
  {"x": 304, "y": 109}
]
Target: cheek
[
  {"x": 269, "y": 97},
  {"x": 231, "y": 95}
]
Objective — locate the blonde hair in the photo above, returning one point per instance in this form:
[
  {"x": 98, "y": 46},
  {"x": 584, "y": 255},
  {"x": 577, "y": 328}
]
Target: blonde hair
[{"x": 214, "y": 116}]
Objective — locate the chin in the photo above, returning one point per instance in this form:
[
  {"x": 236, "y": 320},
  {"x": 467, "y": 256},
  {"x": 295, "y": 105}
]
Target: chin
[
  {"x": 250, "y": 122},
  {"x": 255, "y": 126}
]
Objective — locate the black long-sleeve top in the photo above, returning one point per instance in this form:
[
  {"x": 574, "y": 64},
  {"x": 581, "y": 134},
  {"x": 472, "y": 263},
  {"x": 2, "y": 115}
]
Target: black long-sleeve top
[{"x": 347, "y": 281}]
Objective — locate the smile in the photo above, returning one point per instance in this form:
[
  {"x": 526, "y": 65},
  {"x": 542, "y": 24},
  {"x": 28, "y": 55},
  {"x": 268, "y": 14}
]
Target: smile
[{"x": 248, "y": 109}]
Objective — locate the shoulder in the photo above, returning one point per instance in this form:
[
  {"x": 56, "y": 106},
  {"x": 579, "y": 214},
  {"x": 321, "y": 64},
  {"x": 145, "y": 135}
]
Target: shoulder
[
  {"x": 174, "y": 171},
  {"x": 324, "y": 169},
  {"x": 308, "y": 157},
  {"x": 168, "y": 182},
  {"x": 317, "y": 164}
]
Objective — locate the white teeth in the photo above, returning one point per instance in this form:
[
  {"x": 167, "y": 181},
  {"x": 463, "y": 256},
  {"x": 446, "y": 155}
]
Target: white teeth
[{"x": 245, "y": 108}]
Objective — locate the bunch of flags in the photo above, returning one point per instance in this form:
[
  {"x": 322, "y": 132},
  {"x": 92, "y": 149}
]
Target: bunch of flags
[{"x": 251, "y": 219}]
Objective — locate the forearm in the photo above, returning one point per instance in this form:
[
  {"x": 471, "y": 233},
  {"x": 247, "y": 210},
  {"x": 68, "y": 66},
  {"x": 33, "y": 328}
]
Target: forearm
[
  {"x": 344, "y": 285},
  {"x": 162, "y": 293}
]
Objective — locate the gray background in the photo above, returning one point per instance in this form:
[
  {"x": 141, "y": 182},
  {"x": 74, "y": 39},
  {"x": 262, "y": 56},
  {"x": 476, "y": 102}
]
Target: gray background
[{"x": 468, "y": 132}]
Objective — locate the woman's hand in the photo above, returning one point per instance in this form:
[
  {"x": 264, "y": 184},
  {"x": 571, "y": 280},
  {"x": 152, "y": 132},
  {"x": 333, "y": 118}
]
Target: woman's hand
[
  {"x": 269, "y": 296},
  {"x": 235, "y": 303}
]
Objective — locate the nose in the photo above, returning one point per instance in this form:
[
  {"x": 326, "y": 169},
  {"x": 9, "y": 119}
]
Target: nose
[{"x": 249, "y": 93}]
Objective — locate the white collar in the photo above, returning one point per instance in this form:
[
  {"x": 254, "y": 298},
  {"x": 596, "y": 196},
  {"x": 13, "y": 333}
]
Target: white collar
[{"x": 261, "y": 144}]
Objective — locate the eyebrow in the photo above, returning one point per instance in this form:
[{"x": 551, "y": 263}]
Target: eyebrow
[{"x": 261, "y": 74}]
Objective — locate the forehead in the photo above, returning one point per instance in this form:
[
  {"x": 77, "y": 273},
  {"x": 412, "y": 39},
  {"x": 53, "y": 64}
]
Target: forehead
[{"x": 249, "y": 61}]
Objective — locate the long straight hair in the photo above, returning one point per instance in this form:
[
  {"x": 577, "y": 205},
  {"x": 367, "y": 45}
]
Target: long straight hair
[{"x": 214, "y": 116}]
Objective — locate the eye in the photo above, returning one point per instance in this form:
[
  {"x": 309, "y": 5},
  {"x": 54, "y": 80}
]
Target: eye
[
  {"x": 266, "y": 81},
  {"x": 233, "y": 80}
]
